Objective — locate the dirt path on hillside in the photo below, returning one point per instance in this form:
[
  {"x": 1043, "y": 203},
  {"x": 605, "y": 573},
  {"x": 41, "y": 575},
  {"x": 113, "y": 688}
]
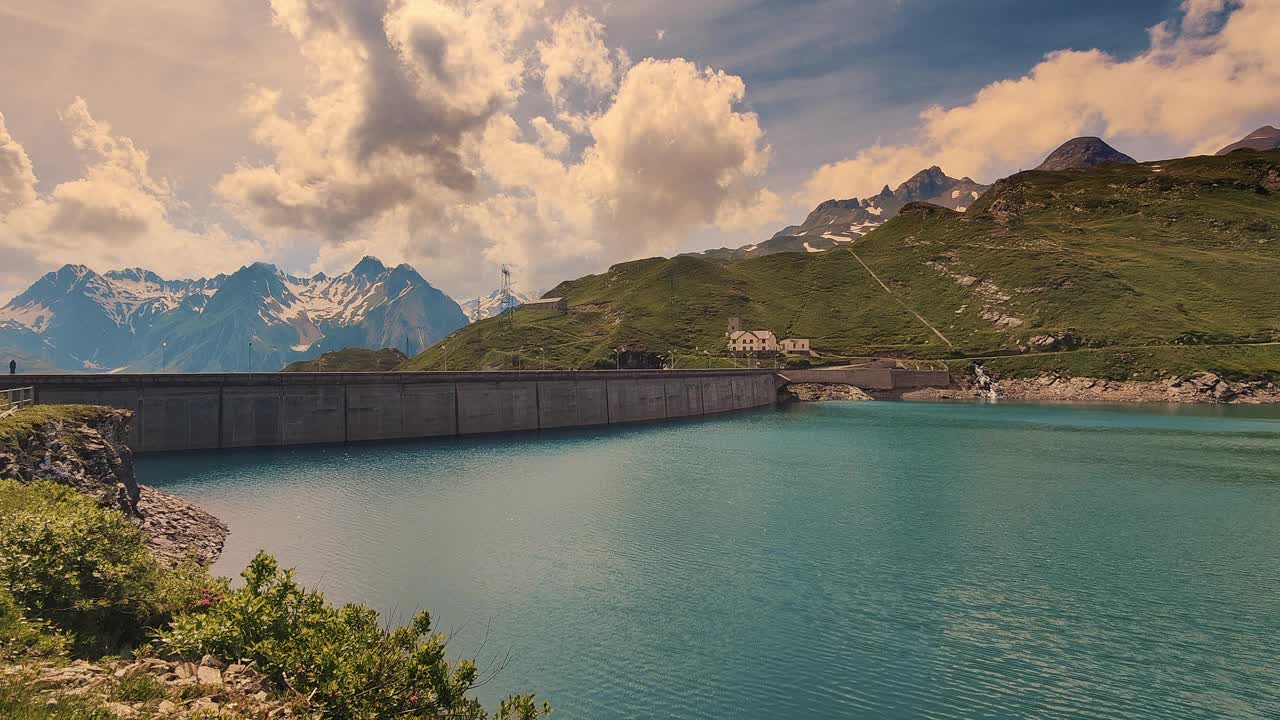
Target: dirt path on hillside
[{"x": 899, "y": 300}]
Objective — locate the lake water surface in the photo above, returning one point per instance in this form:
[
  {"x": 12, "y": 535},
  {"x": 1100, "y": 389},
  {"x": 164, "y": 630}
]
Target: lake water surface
[{"x": 848, "y": 560}]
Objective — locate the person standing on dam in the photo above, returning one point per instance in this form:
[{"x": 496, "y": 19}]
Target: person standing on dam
[{"x": 13, "y": 367}]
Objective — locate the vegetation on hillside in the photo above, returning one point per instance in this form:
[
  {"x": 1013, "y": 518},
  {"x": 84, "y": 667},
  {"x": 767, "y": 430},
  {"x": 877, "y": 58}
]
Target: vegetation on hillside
[
  {"x": 76, "y": 581},
  {"x": 351, "y": 360},
  {"x": 1174, "y": 253}
]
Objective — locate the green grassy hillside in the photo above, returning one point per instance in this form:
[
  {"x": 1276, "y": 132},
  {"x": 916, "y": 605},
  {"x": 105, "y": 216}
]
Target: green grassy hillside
[
  {"x": 351, "y": 360},
  {"x": 1174, "y": 253}
]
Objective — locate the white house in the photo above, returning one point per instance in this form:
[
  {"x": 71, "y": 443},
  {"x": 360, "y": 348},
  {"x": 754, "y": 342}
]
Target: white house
[
  {"x": 748, "y": 342},
  {"x": 752, "y": 341}
]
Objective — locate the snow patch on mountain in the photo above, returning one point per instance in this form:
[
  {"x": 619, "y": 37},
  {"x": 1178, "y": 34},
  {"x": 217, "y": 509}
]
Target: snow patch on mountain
[{"x": 482, "y": 308}]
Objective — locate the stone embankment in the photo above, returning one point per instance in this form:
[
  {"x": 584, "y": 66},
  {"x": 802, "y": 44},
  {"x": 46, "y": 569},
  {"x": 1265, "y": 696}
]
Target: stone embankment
[
  {"x": 85, "y": 448},
  {"x": 158, "y": 688},
  {"x": 1202, "y": 387}
]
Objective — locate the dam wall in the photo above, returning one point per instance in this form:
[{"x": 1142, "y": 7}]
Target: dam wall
[{"x": 237, "y": 410}]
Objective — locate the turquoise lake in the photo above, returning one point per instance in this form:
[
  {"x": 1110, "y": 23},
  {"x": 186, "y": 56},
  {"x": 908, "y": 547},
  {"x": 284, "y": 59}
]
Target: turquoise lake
[{"x": 847, "y": 560}]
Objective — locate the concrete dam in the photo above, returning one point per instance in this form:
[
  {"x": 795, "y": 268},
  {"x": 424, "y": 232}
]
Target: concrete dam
[{"x": 209, "y": 411}]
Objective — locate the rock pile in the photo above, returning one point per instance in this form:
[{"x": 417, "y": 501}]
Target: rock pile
[
  {"x": 176, "y": 530},
  {"x": 823, "y": 392}
]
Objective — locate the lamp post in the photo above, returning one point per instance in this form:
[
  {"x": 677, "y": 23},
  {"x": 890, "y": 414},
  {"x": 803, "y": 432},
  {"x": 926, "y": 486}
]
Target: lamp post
[
  {"x": 445, "y": 348},
  {"x": 164, "y": 347},
  {"x": 542, "y": 359}
]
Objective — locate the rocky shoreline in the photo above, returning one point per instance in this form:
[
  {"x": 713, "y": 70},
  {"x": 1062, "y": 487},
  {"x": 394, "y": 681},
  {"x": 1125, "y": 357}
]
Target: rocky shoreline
[
  {"x": 86, "y": 448},
  {"x": 1200, "y": 388}
]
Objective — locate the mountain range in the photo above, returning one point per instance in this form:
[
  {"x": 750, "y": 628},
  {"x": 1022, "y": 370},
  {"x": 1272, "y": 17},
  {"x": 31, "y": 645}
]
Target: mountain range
[
  {"x": 255, "y": 319},
  {"x": 1086, "y": 196},
  {"x": 1111, "y": 270},
  {"x": 839, "y": 222}
]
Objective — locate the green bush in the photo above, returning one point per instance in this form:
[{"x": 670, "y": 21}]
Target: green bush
[
  {"x": 86, "y": 571},
  {"x": 22, "y": 638},
  {"x": 76, "y": 565},
  {"x": 342, "y": 657}
]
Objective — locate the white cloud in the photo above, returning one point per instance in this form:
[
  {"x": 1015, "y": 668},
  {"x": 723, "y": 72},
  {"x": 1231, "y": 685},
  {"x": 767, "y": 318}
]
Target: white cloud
[
  {"x": 576, "y": 54},
  {"x": 549, "y": 138},
  {"x": 17, "y": 177},
  {"x": 399, "y": 87},
  {"x": 407, "y": 143},
  {"x": 672, "y": 154},
  {"x": 116, "y": 214},
  {"x": 1194, "y": 85}
]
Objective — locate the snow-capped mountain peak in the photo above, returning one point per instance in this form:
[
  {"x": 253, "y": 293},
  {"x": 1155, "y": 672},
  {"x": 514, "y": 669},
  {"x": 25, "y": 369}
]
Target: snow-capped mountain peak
[
  {"x": 490, "y": 305},
  {"x": 256, "y": 318}
]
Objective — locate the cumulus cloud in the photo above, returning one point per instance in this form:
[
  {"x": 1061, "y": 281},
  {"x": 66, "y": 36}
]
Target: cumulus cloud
[
  {"x": 116, "y": 214},
  {"x": 550, "y": 138},
  {"x": 397, "y": 89},
  {"x": 576, "y": 54},
  {"x": 672, "y": 153},
  {"x": 17, "y": 176},
  {"x": 1199, "y": 78},
  {"x": 407, "y": 143}
]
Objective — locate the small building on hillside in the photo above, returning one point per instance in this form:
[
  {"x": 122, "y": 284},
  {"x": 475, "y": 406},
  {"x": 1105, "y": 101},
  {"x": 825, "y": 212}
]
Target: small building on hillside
[
  {"x": 752, "y": 341},
  {"x": 796, "y": 345},
  {"x": 760, "y": 342},
  {"x": 560, "y": 305}
]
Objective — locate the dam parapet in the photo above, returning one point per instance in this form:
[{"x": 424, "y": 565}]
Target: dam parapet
[{"x": 202, "y": 411}]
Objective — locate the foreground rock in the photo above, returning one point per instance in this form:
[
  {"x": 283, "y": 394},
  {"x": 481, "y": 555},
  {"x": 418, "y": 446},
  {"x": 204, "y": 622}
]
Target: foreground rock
[
  {"x": 86, "y": 448},
  {"x": 155, "y": 687},
  {"x": 825, "y": 392}
]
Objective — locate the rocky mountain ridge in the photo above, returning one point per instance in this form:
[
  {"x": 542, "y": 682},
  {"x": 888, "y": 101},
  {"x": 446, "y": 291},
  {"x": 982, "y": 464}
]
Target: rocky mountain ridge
[
  {"x": 838, "y": 222},
  {"x": 257, "y": 318},
  {"x": 1264, "y": 138},
  {"x": 1083, "y": 152}
]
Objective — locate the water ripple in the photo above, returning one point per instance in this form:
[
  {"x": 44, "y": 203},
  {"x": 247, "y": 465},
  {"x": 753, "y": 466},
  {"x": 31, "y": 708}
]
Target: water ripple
[{"x": 873, "y": 560}]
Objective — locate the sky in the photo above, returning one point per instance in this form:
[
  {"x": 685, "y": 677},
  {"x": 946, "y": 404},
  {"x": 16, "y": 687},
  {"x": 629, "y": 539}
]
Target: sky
[{"x": 560, "y": 137}]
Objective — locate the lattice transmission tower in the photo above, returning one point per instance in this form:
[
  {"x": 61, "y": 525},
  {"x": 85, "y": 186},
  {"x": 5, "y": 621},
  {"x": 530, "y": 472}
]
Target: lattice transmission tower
[{"x": 508, "y": 298}]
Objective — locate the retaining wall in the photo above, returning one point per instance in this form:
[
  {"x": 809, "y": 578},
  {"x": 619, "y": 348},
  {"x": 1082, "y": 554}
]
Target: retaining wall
[
  {"x": 872, "y": 378},
  {"x": 203, "y": 411}
]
